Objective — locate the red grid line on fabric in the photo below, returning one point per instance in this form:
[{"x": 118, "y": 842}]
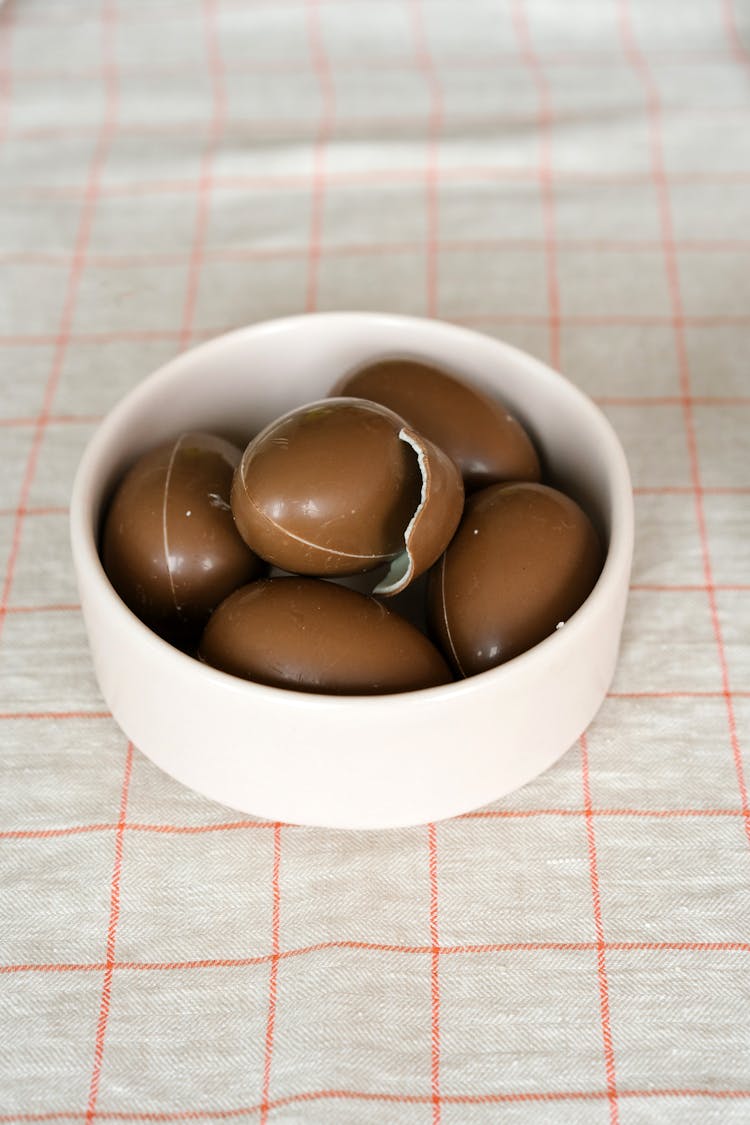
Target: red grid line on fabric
[
  {"x": 737, "y": 48},
  {"x": 662, "y": 588},
  {"x": 136, "y": 826},
  {"x": 642, "y": 69},
  {"x": 114, "y": 915},
  {"x": 135, "y": 15},
  {"x": 268, "y": 127},
  {"x": 610, "y": 320},
  {"x": 53, "y": 510},
  {"x": 681, "y": 490},
  {"x": 114, "y": 336},
  {"x": 274, "y": 973},
  {"x": 154, "y": 259},
  {"x": 477, "y": 949},
  {"x": 678, "y": 695},
  {"x": 144, "y": 15},
  {"x": 191, "y": 829},
  {"x": 672, "y": 400},
  {"x": 215, "y": 132},
  {"x": 375, "y": 177},
  {"x": 601, "y": 962},
  {"x": 478, "y": 320},
  {"x": 54, "y": 420},
  {"x": 426, "y": 66},
  {"x": 500, "y": 947},
  {"x": 544, "y": 119},
  {"x": 542, "y": 319},
  {"x": 684, "y": 56},
  {"x": 34, "y": 715},
  {"x": 514, "y": 814},
  {"x": 77, "y": 265},
  {"x": 53, "y": 833},
  {"x": 306, "y": 1096},
  {"x": 478, "y": 814},
  {"x": 435, "y": 951},
  {"x": 323, "y": 133}
]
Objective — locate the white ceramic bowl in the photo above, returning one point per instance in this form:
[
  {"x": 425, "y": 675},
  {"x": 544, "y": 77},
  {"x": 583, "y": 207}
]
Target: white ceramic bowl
[{"x": 361, "y": 762}]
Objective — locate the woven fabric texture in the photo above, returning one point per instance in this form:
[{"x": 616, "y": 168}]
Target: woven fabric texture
[{"x": 573, "y": 177}]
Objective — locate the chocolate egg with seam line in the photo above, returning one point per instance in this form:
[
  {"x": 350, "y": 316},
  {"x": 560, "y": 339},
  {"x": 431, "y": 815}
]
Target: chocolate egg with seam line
[
  {"x": 523, "y": 560},
  {"x": 169, "y": 544},
  {"x": 487, "y": 443},
  {"x": 309, "y": 635},
  {"x": 339, "y": 486}
]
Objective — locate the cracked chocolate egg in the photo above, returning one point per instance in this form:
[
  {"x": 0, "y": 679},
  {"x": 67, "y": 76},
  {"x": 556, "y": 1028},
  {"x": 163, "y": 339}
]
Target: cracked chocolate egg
[
  {"x": 340, "y": 486},
  {"x": 522, "y": 562},
  {"x": 486, "y": 442},
  {"x": 169, "y": 544},
  {"x": 310, "y": 635}
]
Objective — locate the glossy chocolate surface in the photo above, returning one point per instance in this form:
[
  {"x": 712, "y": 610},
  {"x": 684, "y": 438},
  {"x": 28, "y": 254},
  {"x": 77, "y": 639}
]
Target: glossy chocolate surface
[
  {"x": 331, "y": 489},
  {"x": 314, "y": 636},
  {"x": 524, "y": 559},
  {"x": 486, "y": 442},
  {"x": 169, "y": 544}
]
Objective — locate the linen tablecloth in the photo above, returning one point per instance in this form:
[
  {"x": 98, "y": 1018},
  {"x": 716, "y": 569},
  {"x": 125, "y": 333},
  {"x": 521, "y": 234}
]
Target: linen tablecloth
[{"x": 574, "y": 178}]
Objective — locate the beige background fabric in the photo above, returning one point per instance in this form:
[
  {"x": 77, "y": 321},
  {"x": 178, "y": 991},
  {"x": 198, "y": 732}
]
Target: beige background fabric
[{"x": 574, "y": 178}]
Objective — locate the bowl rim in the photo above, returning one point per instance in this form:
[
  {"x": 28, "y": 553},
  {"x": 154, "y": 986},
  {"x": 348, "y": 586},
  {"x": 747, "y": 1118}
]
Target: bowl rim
[{"x": 90, "y": 570}]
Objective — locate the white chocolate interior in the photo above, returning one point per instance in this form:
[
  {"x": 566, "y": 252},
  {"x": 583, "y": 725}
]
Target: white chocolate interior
[{"x": 401, "y": 569}]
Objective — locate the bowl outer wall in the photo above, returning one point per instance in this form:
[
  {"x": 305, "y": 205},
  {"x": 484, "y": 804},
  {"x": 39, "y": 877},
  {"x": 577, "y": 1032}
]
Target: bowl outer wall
[{"x": 360, "y": 762}]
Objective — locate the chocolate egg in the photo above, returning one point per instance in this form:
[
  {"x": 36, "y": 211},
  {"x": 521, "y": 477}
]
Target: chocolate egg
[
  {"x": 486, "y": 442},
  {"x": 523, "y": 560},
  {"x": 169, "y": 544},
  {"x": 310, "y": 635},
  {"x": 340, "y": 486}
]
